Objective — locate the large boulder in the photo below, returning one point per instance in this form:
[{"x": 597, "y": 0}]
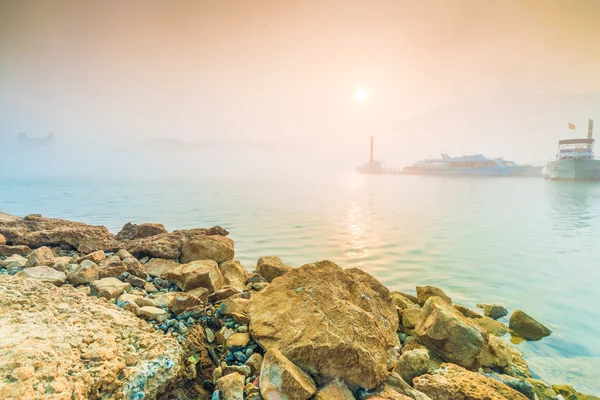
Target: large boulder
[
  {"x": 59, "y": 343},
  {"x": 132, "y": 231},
  {"x": 111, "y": 267},
  {"x": 452, "y": 382},
  {"x": 109, "y": 288},
  {"x": 270, "y": 267},
  {"x": 41, "y": 256},
  {"x": 232, "y": 386},
  {"x": 37, "y": 231},
  {"x": 95, "y": 256},
  {"x": 84, "y": 273},
  {"x": 527, "y": 327},
  {"x": 332, "y": 322},
  {"x": 413, "y": 363},
  {"x": 216, "y": 248},
  {"x": 444, "y": 329},
  {"x": 6, "y": 251},
  {"x": 281, "y": 379},
  {"x": 425, "y": 292},
  {"x": 157, "y": 267},
  {"x": 234, "y": 274},
  {"x": 168, "y": 245},
  {"x": 45, "y": 274},
  {"x": 196, "y": 274}
]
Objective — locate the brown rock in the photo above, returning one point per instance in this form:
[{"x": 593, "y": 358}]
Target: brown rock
[
  {"x": 6, "y": 251},
  {"x": 132, "y": 231},
  {"x": 271, "y": 267},
  {"x": 403, "y": 303},
  {"x": 234, "y": 274},
  {"x": 224, "y": 293},
  {"x": 71, "y": 346},
  {"x": 95, "y": 257},
  {"x": 281, "y": 379},
  {"x": 455, "y": 383},
  {"x": 444, "y": 329},
  {"x": 111, "y": 267},
  {"x": 2, "y": 240},
  {"x": 543, "y": 390},
  {"x": 396, "y": 385},
  {"x": 84, "y": 273},
  {"x": 232, "y": 386},
  {"x": 412, "y": 364},
  {"x": 493, "y": 311},
  {"x": 44, "y": 274},
  {"x": 196, "y": 274},
  {"x": 134, "y": 267},
  {"x": 238, "y": 340},
  {"x": 156, "y": 267},
  {"x": 152, "y": 313},
  {"x": 467, "y": 312},
  {"x": 180, "y": 302},
  {"x": 201, "y": 293},
  {"x": 527, "y": 327},
  {"x": 109, "y": 288},
  {"x": 135, "y": 281},
  {"x": 216, "y": 248},
  {"x": 425, "y": 292},
  {"x": 340, "y": 315},
  {"x": 334, "y": 390},
  {"x": 254, "y": 362},
  {"x": 37, "y": 231},
  {"x": 410, "y": 318},
  {"x": 41, "y": 256}
]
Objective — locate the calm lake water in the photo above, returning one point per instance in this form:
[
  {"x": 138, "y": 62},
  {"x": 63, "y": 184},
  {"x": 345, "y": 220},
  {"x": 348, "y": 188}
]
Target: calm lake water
[{"x": 523, "y": 242}]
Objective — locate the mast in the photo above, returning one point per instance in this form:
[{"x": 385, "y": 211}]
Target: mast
[
  {"x": 371, "y": 158},
  {"x": 590, "y": 128}
]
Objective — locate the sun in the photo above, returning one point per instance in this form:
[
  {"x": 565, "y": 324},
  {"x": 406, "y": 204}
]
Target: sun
[{"x": 361, "y": 94}]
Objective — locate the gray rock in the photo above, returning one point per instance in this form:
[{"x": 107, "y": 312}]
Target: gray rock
[
  {"x": 45, "y": 274},
  {"x": 527, "y": 327}
]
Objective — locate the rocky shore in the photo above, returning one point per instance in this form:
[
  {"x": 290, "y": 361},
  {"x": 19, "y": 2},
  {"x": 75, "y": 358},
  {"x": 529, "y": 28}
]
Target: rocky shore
[{"x": 152, "y": 314}]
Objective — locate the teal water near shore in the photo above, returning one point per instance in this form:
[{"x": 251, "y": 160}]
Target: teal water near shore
[{"x": 523, "y": 242}]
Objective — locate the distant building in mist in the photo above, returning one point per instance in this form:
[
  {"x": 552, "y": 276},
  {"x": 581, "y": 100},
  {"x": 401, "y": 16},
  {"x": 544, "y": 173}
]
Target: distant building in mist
[{"x": 31, "y": 143}]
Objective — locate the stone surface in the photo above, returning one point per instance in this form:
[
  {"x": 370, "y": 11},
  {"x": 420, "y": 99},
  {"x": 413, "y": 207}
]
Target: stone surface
[
  {"x": 135, "y": 281},
  {"x": 543, "y": 390},
  {"x": 334, "y": 390},
  {"x": 281, "y": 379},
  {"x": 58, "y": 343},
  {"x": 84, "y": 273},
  {"x": 157, "y": 267},
  {"x": 409, "y": 319},
  {"x": 196, "y": 274},
  {"x": 95, "y": 257},
  {"x": 216, "y": 248},
  {"x": 452, "y": 382},
  {"x": 224, "y": 293},
  {"x": 456, "y": 340},
  {"x": 177, "y": 302},
  {"x": 14, "y": 258},
  {"x": 45, "y": 274},
  {"x": 134, "y": 267},
  {"x": 232, "y": 386},
  {"x": 254, "y": 362},
  {"x": 2, "y": 240},
  {"x": 527, "y": 327},
  {"x": 41, "y": 256},
  {"x": 467, "y": 312},
  {"x": 493, "y": 311},
  {"x": 395, "y": 383},
  {"x": 6, "y": 251},
  {"x": 412, "y": 364},
  {"x": 109, "y": 288},
  {"x": 132, "y": 231},
  {"x": 425, "y": 292},
  {"x": 238, "y": 340},
  {"x": 152, "y": 313},
  {"x": 234, "y": 274},
  {"x": 270, "y": 267},
  {"x": 403, "y": 302},
  {"x": 339, "y": 323},
  {"x": 201, "y": 293},
  {"x": 37, "y": 231},
  {"x": 111, "y": 267}
]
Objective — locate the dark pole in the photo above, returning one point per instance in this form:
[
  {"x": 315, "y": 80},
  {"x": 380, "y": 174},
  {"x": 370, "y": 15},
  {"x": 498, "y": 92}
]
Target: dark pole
[{"x": 371, "y": 159}]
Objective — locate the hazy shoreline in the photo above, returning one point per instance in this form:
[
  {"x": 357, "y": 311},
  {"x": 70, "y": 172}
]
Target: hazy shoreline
[{"x": 186, "y": 283}]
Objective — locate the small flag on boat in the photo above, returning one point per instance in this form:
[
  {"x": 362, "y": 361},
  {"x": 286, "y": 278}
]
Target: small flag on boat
[{"x": 572, "y": 126}]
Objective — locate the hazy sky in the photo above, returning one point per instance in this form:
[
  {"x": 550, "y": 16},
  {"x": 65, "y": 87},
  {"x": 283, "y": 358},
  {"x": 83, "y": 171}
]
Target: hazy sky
[{"x": 285, "y": 72}]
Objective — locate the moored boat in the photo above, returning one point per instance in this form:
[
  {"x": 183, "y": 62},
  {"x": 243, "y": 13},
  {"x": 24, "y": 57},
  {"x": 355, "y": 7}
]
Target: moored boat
[
  {"x": 471, "y": 165},
  {"x": 575, "y": 160}
]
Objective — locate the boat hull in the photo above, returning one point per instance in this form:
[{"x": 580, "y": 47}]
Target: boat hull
[{"x": 577, "y": 169}]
